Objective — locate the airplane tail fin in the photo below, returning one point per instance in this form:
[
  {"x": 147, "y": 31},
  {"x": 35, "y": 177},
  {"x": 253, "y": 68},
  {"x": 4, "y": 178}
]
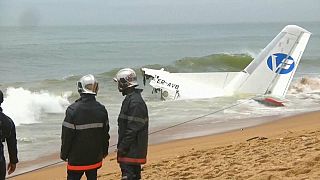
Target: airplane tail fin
[{"x": 271, "y": 72}]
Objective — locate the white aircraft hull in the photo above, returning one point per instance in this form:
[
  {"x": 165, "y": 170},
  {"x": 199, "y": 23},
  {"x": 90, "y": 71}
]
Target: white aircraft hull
[{"x": 270, "y": 73}]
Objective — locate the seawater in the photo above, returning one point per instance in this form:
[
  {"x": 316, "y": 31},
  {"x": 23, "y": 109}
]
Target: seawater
[{"x": 41, "y": 65}]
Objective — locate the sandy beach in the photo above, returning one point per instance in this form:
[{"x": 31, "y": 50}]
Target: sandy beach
[{"x": 287, "y": 148}]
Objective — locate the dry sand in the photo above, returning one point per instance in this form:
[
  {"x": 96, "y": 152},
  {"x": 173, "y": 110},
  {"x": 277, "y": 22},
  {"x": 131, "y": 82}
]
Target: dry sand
[{"x": 288, "y": 148}]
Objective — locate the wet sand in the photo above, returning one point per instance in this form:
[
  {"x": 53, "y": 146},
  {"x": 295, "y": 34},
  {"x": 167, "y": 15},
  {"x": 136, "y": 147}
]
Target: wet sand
[{"x": 288, "y": 148}]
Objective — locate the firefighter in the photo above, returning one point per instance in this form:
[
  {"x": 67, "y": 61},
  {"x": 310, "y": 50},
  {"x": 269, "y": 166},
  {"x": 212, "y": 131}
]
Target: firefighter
[
  {"x": 8, "y": 134},
  {"x": 85, "y": 132},
  {"x": 132, "y": 126}
]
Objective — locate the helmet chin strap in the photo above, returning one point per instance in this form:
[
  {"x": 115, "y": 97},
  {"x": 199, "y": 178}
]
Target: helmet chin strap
[{"x": 95, "y": 88}]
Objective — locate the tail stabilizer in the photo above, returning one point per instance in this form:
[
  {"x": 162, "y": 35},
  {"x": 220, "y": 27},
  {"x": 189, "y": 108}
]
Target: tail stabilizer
[{"x": 271, "y": 72}]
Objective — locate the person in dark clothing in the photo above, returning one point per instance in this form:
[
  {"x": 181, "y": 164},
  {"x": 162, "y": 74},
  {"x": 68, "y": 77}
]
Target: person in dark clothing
[
  {"x": 7, "y": 133},
  {"x": 85, "y": 132},
  {"x": 133, "y": 122}
]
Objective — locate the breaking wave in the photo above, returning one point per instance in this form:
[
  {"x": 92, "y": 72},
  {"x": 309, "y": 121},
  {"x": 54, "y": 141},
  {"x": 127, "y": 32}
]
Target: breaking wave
[
  {"x": 26, "y": 107},
  {"x": 214, "y": 62},
  {"x": 211, "y": 63},
  {"x": 305, "y": 85}
]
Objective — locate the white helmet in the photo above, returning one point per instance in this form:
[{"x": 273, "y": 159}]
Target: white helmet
[
  {"x": 88, "y": 85},
  {"x": 126, "y": 78}
]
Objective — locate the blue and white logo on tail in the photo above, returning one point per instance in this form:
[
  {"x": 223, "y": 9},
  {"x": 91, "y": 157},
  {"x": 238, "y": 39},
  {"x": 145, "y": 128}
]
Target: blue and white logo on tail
[{"x": 282, "y": 62}]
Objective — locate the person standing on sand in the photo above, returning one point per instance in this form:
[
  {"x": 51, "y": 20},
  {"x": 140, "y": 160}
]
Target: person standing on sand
[
  {"x": 133, "y": 126},
  {"x": 85, "y": 132},
  {"x": 7, "y": 133}
]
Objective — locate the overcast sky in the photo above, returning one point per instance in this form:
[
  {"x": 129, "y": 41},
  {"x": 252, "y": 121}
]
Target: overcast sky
[{"x": 104, "y": 12}]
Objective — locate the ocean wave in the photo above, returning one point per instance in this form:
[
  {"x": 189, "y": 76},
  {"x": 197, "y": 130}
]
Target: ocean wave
[
  {"x": 68, "y": 77},
  {"x": 210, "y": 63},
  {"x": 305, "y": 85},
  {"x": 26, "y": 140},
  {"x": 26, "y": 107}
]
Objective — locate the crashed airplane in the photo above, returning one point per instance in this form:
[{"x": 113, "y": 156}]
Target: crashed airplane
[{"x": 269, "y": 74}]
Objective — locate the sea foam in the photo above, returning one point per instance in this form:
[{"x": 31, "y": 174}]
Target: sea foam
[
  {"x": 305, "y": 85},
  {"x": 26, "y": 107}
]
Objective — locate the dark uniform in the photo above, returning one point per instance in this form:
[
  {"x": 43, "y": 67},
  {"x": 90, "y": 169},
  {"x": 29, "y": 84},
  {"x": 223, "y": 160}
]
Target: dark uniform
[
  {"x": 133, "y": 135},
  {"x": 85, "y": 137},
  {"x": 7, "y": 133}
]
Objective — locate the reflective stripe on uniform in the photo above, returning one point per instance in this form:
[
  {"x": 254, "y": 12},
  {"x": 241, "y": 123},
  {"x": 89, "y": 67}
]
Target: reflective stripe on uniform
[
  {"x": 133, "y": 118},
  {"x": 89, "y": 126},
  {"x": 68, "y": 125},
  {"x": 85, "y": 167},
  {"x": 132, "y": 160},
  {"x": 83, "y": 126}
]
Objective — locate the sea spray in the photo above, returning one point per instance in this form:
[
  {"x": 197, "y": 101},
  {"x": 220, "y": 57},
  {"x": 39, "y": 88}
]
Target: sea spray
[
  {"x": 306, "y": 89},
  {"x": 26, "y": 107},
  {"x": 305, "y": 84}
]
